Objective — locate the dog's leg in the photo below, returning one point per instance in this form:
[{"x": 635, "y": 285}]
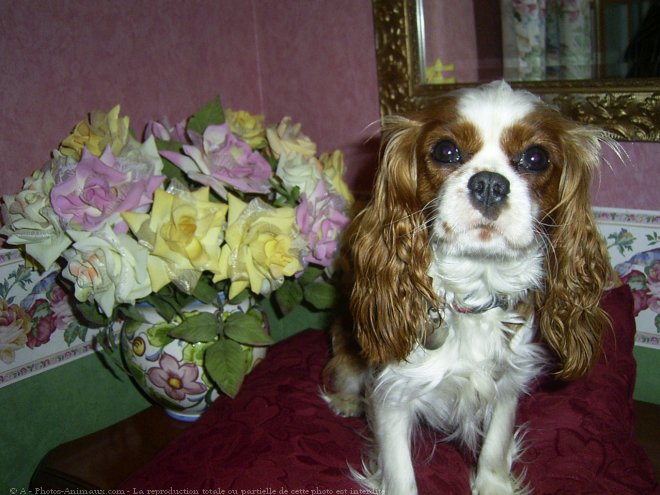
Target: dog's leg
[
  {"x": 345, "y": 379},
  {"x": 345, "y": 375},
  {"x": 393, "y": 473},
  {"x": 493, "y": 476}
]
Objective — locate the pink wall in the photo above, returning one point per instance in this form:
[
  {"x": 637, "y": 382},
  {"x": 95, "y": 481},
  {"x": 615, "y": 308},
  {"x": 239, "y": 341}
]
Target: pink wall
[
  {"x": 631, "y": 182},
  {"x": 313, "y": 60}
]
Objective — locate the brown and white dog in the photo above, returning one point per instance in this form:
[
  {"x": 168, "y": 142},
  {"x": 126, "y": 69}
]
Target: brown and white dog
[{"x": 476, "y": 264}]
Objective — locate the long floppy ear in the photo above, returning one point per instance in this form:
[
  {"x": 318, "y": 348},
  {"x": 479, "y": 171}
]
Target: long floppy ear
[
  {"x": 578, "y": 267},
  {"x": 390, "y": 255}
]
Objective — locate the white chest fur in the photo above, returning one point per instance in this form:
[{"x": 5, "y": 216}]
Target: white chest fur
[
  {"x": 474, "y": 359},
  {"x": 484, "y": 358}
]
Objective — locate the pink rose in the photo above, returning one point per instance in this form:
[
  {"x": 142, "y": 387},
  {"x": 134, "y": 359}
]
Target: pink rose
[
  {"x": 321, "y": 221},
  {"x": 98, "y": 189},
  {"x": 219, "y": 159}
]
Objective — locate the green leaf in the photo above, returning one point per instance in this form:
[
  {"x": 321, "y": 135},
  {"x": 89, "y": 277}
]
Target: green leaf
[
  {"x": 246, "y": 328},
  {"x": 295, "y": 194},
  {"x": 288, "y": 296},
  {"x": 310, "y": 275},
  {"x": 158, "y": 334},
  {"x": 162, "y": 145},
  {"x": 172, "y": 172},
  {"x": 270, "y": 158},
  {"x": 91, "y": 314},
  {"x": 132, "y": 326},
  {"x": 302, "y": 318},
  {"x": 164, "y": 306},
  {"x": 239, "y": 298},
  {"x": 321, "y": 295},
  {"x": 200, "y": 327},
  {"x": 209, "y": 114},
  {"x": 205, "y": 291},
  {"x": 284, "y": 196},
  {"x": 225, "y": 364},
  {"x": 132, "y": 313}
]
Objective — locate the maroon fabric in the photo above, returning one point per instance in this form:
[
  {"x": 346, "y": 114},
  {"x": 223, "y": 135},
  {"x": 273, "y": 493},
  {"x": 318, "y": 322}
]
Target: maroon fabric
[{"x": 279, "y": 436}]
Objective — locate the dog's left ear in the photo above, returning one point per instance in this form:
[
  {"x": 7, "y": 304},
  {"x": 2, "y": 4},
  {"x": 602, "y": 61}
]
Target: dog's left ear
[{"x": 578, "y": 267}]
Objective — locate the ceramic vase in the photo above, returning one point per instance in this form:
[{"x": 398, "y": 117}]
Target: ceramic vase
[{"x": 170, "y": 371}]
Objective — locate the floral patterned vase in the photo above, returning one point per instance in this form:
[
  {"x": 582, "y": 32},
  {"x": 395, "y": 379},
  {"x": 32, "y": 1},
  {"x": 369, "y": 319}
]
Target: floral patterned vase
[{"x": 170, "y": 371}]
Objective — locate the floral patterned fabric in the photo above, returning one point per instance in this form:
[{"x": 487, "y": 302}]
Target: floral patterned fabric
[{"x": 279, "y": 435}]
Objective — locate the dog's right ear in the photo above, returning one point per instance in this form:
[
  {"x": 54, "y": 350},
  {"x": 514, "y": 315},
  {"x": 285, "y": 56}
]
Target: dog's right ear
[
  {"x": 389, "y": 252},
  {"x": 570, "y": 317}
]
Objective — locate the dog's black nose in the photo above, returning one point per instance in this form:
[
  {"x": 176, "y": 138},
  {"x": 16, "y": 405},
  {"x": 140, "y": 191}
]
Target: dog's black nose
[{"x": 488, "y": 191}]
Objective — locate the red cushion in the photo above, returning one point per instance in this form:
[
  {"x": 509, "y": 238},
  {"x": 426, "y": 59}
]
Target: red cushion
[{"x": 279, "y": 434}]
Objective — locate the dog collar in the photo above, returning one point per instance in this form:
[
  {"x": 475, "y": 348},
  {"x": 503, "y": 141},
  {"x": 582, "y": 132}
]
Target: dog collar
[
  {"x": 436, "y": 314},
  {"x": 497, "y": 302}
]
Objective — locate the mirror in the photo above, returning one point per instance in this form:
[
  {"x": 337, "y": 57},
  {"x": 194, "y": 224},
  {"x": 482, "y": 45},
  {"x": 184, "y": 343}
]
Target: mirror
[{"x": 628, "y": 108}]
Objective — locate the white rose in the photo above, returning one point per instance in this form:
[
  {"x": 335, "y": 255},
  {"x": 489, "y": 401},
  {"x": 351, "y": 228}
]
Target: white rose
[
  {"x": 30, "y": 220},
  {"x": 297, "y": 170},
  {"x": 107, "y": 268}
]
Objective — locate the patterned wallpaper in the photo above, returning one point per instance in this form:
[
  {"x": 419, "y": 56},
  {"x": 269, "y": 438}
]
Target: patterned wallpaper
[{"x": 633, "y": 241}]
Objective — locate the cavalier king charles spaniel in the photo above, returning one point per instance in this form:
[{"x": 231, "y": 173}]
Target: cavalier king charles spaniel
[{"x": 476, "y": 265}]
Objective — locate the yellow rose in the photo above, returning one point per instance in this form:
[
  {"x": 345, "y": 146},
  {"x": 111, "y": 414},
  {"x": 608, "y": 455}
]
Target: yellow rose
[
  {"x": 248, "y": 127},
  {"x": 183, "y": 233},
  {"x": 262, "y": 246},
  {"x": 95, "y": 133},
  {"x": 286, "y": 137},
  {"x": 333, "y": 171}
]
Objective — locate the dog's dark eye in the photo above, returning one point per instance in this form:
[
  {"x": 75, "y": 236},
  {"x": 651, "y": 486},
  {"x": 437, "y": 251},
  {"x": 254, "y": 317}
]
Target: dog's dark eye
[
  {"x": 534, "y": 159},
  {"x": 446, "y": 152}
]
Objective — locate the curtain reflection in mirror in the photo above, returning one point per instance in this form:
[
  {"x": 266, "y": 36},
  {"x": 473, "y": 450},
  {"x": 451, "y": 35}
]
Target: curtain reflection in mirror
[
  {"x": 547, "y": 40},
  {"x": 539, "y": 40}
]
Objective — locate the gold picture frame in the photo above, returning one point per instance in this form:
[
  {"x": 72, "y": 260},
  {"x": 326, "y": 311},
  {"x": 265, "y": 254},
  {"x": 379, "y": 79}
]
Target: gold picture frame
[{"x": 628, "y": 109}]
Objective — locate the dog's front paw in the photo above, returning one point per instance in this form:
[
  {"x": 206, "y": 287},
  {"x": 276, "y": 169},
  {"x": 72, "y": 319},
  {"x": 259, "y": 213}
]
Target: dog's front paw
[
  {"x": 372, "y": 482},
  {"x": 492, "y": 482},
  {"x": 343, "y": 404}
]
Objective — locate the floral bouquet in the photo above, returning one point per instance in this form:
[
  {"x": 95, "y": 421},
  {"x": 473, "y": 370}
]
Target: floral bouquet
[{"x": 217, "y": 209}]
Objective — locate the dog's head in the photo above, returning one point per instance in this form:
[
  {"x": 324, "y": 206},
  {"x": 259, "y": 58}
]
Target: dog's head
[{"x": 486, "y": 172}]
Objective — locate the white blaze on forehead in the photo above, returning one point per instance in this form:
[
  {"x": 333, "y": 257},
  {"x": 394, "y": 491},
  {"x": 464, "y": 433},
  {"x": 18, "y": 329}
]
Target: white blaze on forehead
[{"x": 494, "y": 107}]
